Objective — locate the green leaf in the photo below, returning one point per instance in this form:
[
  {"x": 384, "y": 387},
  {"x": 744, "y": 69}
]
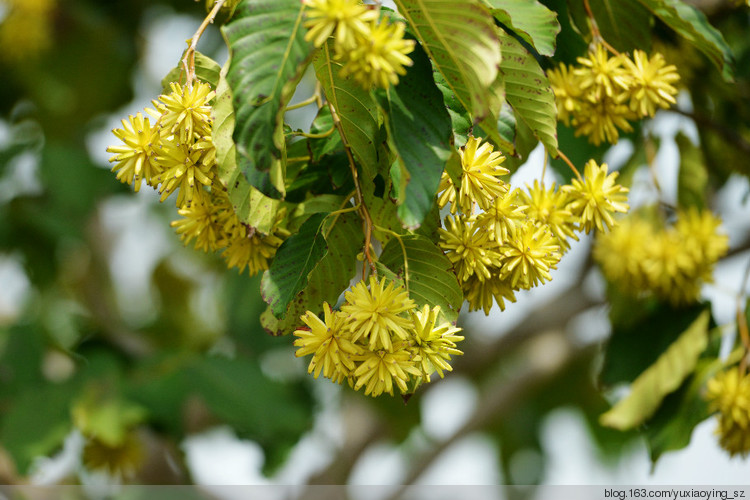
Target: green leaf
[
  {"x": 354, "y": 106},
  {"x": 642, "y": 329},
  {"x": 421, "y": 133},
  {"x": 251, "y": 206},
  {"x": 268, "y": 58},
  {"x": 294, "y": 260},
  {"x": 328, "y": 279},
  {"x": 691, "y": 24},
  {"x": 460, "y": 119},
  {"x": 237, "y": 391},
  {"x": 36, "y": 423},
  {"x": 672, "y": 426},
  {"x": 532, "y": 21},
  {"x": 692, "y": 179},
  {"x": 528, "y": 91},
  {"x": 625, "y": 25},
  {"x": 461, "y": 40},
  {"x": 661, "y": 378},
  {"x": 490, "y": 127},
  {"x": 431, "y": 279},
  {"x": 206, "y": 69}
]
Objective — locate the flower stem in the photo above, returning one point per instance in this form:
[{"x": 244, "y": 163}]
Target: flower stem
[{"x": 570, "y": 164}]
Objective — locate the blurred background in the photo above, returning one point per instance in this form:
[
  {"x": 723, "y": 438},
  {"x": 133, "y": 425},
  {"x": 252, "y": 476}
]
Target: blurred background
[{"x": 109, "y": 327}]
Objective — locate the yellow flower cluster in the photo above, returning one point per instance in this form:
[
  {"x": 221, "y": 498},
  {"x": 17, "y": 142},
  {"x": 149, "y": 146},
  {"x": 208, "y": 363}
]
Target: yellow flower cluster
[
  {"x": 605, "y": 92},
  {"x": 378, "y": 340},
  {"x": 501, "y": 241},
  {"x": 26, "y": 30},
  {"x": 729, "y": 395},
  {"x": 176, "y": 154},
  {"x": 373, "y": 52},
  {"x": 669, "y": 262}
]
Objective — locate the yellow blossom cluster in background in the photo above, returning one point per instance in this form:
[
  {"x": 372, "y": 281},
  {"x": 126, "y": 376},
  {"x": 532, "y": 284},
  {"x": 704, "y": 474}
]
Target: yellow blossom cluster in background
[
  {"x": 641, "y": 256},
  {"x": 26, "y": 30},
  {"x": 729, "y": 395},
  {"x": 378, "y": 340},
  {"x": 501, "y": 240},
  {"x": 601, "y": 95},
  {"x": 374, "y": 52},
  {"x": 176, "y": 155}
]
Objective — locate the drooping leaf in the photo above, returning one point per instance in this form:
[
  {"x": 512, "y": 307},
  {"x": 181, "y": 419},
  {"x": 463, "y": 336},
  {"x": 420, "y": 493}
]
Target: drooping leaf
[
  {"x": 251, "y": 206},
  {"x": 528, "y": 91},
  {"x": 532, "y": 21},
  {"x": 430, "y": 274},
  {"x": 691, "y": 24},
  {"x": 673, "y": 424},
  {"x": 624, "y": 24},
  {"x": 294, "y": 260},
  {"x": 328, "y": 279},
  {"x": 421, "y": 133},
  {"x": 206, "y": 70},
  {"x": 661, "y": 378},
  {"x": 692, "y": 179},
  {"x": 354, "y": 106},
  {"x": 461, "y": 40},
  {"x": 269, "y": 55}
]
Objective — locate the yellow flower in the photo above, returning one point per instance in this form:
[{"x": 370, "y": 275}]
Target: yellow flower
[
  {"x": 186, "y": 111},
  {"x": 566, "y": 86},
  {"x": 601, "y": 75},
  {"x": 701, "y": 239},
  {"x": 503, "y": 217},
  {"x": 380, "y": 369},
  {"x": 600, "y": 121},
  {"x": 447, "y": 193},
  {"x": 433, "y": 342},
  {"x": 248, "y": 248},
  {"x": 622, "y": 252},
  {"x": 480, "y": 180},
  {"x": 121, "y": 460},
  {"x": 380, "y": 58},
  {"x": 330, "y": 344},
  {"x": 650, "y": 82},
  {"x": 480, "y": 294},
  {"x": 529, "y": 257},
  {"x": 376, "y": 314},
  {"x": 469, "y": 248},
  {"x": 201, "y": 222},
  {"x": 136, "y": 158},
  {"x": 347, "y": 20},
  {"x": 670, "y": 269},
  {"x": 185, "y": 170},
  {"x": 729, "y": 394},
  {"x": 547, "y": 207},
  {"x": 597, "y": 198}
]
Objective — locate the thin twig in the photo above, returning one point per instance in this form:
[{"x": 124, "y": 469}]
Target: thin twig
[
  {"x": 312, "y": 99},
  {"x": 366, "y": 219},
  {"x": 188, "y": 60},
  {"x": 595, "y": 33}
]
